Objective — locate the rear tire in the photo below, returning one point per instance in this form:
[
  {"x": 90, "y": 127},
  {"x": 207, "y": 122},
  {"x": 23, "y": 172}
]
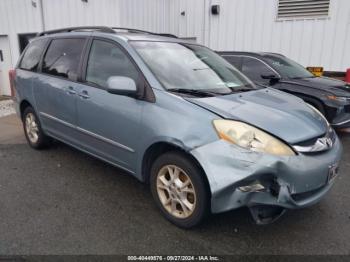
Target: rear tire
[
  {"x": 179, "y": 189},
  {"x": 33, "y": 131}
]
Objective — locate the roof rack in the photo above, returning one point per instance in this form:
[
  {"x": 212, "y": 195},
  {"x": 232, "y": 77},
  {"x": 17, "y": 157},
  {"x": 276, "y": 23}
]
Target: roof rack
[
  {"x": 104, "y": 29},
  {"x": 132, "y": 30}
]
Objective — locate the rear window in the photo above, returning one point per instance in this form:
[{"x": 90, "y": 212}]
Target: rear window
[
  {"x": 62, "y": 57},
  {"x": 31, "y": 57}
]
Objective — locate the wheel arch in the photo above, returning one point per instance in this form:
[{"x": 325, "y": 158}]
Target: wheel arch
[
  {"x": 23, "y": 105},
  {"x": 159, "y": 148}
]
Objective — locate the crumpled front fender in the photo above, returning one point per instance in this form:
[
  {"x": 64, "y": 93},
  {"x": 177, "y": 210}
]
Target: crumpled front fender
[{"x": 290, "y": 181}]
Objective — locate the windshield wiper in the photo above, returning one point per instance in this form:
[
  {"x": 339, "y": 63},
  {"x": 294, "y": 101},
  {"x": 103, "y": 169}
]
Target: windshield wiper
[
  {"x": 239, "y": 90},
  {"x": 261, "y": 85},
  {"x": 302, "y": 77},
  {"x": 245, "y": 88},
  {"x": 203, "y": 68},
  {"x": 195, "y": 92}
]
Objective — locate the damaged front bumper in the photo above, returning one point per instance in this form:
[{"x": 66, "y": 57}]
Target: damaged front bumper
[{"x": 284, "y": 182}]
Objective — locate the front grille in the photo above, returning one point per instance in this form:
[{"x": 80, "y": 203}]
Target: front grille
[
  {"x": 317, "y": 144},
  {"x": 310, "y": 142}
]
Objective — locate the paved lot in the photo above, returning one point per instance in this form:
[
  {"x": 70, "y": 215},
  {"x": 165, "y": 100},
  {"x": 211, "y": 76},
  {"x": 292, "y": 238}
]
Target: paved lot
[{"x": 61, "y": 201}]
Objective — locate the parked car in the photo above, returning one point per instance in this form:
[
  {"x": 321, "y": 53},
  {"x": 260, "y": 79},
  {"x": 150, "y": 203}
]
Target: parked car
[
  {"x": 330, "y": 96},
  {"x": 179, "y": 117}
]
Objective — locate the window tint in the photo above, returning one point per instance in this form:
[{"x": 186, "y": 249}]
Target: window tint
[
  {"x": 234, "y": 60},
  {"x": 62, "y": 57},
  {"x": 106, "y": 60},
  {"x": 31, "y": 58},
  {"x": 254, "y": 68}
]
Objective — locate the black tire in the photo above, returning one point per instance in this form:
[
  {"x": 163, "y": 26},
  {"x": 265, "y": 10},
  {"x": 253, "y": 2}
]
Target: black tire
[
  {"x": 196, "y": 176},
  {"x": 43, "y": 140}
]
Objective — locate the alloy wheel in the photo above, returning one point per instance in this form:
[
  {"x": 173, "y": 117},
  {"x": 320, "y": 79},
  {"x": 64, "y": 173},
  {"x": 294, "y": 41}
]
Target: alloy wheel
[
  {"x": 176, "y": 191},
  {"x": 32, "y": 128}
]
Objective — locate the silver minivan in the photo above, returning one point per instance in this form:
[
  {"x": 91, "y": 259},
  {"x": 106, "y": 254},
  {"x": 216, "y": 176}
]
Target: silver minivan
[{"x": 175, "y": 115}]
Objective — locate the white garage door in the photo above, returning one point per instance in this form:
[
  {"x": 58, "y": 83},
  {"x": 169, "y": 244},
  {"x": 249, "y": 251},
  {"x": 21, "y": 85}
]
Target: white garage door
[{"x": 5, "y": 66}]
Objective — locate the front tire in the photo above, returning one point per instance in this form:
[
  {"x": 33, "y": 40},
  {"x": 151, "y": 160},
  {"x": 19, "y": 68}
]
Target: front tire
[
  {"x": 33, "y": 131},
  {"x": 179, "y": 189}
]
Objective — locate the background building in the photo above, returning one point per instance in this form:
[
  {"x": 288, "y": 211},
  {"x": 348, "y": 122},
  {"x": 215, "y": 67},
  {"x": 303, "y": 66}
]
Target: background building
[{"x": 312, "y": 32}]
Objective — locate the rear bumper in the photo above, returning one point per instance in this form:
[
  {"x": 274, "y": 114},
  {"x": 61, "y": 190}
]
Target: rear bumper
[{"x": 289, "y": 182}]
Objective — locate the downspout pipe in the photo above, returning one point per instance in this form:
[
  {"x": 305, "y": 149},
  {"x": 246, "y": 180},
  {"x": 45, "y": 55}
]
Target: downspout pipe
[{"x": 42, "y": 15}]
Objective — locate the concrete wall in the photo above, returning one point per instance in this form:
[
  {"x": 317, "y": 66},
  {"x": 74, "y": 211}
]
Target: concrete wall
[
  {"x": 65, "y": 13},
  {"x": 165, "y": 16},
  {"x": 16, "y": 17},
  {"x": 249, "y": 25},
  {"x": 24, "y": 16}
]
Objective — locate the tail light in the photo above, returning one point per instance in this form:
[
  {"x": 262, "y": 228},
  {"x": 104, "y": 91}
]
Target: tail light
[{"x": 12, "y": 76}]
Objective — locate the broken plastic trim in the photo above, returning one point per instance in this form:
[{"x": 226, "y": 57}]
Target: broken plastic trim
[
  {"x": 263, "y": 214},
  {"x": 256, "y": 186}
]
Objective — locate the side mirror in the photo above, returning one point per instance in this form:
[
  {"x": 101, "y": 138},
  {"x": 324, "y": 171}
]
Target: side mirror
[
  {"x": 272, "y": 77},
  {"x": 121, "y": 85}
]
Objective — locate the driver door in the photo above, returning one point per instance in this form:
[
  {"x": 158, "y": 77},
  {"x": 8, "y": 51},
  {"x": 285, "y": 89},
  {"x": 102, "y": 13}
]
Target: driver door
[{"x": 109, "y": 123}]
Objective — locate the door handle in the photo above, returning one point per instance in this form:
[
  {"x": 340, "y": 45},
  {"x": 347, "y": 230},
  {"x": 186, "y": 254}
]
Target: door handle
[
  {"x": 84, "y": 94},
  {"x": 71, "y": 91}
]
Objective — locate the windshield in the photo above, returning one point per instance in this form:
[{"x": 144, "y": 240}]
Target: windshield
[
  {"x": 287, "y": 68},
  {"x": 180, "y": 66}
]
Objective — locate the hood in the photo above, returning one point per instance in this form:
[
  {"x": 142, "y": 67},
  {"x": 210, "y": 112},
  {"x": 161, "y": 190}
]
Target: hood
[
  {"x": 337, "y": 87},
  {"x": 276, "y": 112}
]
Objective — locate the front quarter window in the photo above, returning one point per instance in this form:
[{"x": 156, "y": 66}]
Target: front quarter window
[
  {"x": 191, "y": 67},
  {"x": 107, "y": 59}
]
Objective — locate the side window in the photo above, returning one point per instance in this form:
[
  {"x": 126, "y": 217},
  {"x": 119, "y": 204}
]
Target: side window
[
  {"x": 31, "y": 57},
  {"x": 236, "y": 61},
  {"x": 254, "y": 69},
  {"x": 62, "y": 57},
  {"x": 106, "y": 60}
]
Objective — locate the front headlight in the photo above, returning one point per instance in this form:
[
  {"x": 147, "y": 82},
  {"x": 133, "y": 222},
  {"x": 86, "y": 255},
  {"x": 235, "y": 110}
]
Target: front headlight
[{"x": 250, "y": 137}]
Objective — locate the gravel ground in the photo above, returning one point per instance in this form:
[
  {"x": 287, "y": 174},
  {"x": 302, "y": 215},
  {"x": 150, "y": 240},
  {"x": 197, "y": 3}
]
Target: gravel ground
[{"x": 6, "y": 108}]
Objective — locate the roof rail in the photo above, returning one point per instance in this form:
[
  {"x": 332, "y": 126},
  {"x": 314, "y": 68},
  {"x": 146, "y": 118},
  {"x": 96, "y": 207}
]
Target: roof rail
[
  {"x": 132, "y": 30},
  {"x": 104, "y": 29},
  {"x": 167, "y": 35}
]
